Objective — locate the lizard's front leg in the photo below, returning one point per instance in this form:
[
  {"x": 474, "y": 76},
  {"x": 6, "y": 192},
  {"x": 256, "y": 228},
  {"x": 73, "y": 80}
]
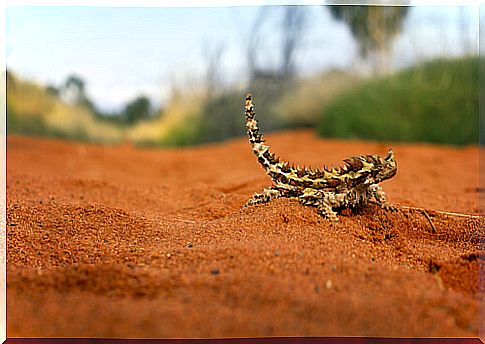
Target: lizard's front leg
[
  {"x": 264, "y": 197},
  {"x": 380, "y": 196}
]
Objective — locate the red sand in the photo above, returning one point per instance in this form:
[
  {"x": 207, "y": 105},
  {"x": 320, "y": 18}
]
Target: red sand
[{"x": 130, "y": 242}]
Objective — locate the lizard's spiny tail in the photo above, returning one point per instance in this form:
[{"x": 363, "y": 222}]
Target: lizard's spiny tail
[
  {"x": 255, "y": 138},
  {"x": 260, "y": 149}
]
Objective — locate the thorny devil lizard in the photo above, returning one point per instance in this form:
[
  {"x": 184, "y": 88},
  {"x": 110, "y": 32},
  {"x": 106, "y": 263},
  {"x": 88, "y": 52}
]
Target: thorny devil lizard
[{"x": 352, "y": 185}]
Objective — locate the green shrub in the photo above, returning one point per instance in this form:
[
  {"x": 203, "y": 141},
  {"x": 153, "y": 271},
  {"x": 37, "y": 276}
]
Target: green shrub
[
  {"x": 434, "y": 102},
  {"x": 183, "y": 134}
]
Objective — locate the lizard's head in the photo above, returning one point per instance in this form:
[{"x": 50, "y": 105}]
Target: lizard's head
[
  {"x": 373, "y": 168},
  {"x": 386, "y": 167}
]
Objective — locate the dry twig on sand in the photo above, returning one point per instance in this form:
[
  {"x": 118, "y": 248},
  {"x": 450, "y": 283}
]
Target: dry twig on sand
[{"x": 441, "y": 212}]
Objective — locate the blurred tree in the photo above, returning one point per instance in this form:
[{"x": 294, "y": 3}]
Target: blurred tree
[
  {"x": 222, "y": 117},
  {"x": 73, "y": 90},
  {"x": 291, "y": 29},
  {"x": 136, "y": 110},
  {"x": 271, "y": 62},
  {"x": 374, "y": 28},
  {"x": 254, "y": 41},
  {"x": 212, "y": 54}
]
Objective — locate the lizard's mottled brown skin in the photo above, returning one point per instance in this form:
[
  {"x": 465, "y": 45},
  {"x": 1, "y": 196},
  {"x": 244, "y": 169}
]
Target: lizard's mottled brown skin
[{"x": 327, "y": 189}]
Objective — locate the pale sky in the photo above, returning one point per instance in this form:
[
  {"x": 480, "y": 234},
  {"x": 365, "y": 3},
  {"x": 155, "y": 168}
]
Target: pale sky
[{"x": 123, "y": 52}]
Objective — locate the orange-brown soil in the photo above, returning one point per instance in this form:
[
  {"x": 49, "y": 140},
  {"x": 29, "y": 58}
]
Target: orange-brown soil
[{"x": 130, "y": 242}]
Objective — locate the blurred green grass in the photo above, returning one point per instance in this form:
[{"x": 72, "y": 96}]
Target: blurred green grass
[
  {"x": 434, "y": 102},
  {"x": 31, "y": 110}
]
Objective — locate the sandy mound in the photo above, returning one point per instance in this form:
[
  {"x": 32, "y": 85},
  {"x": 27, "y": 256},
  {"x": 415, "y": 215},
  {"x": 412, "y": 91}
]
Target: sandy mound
[{"x": 127, "y": 242}]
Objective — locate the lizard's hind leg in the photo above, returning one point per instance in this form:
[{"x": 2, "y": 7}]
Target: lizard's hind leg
[
  {"x": 322, "y": 201},
  {"x": 327, "y": 212},
  {"x": 266, "y": 196}
]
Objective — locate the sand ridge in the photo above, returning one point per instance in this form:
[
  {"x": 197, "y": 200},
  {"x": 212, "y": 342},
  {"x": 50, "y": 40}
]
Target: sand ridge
[{"x": 134, "y": 242}]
